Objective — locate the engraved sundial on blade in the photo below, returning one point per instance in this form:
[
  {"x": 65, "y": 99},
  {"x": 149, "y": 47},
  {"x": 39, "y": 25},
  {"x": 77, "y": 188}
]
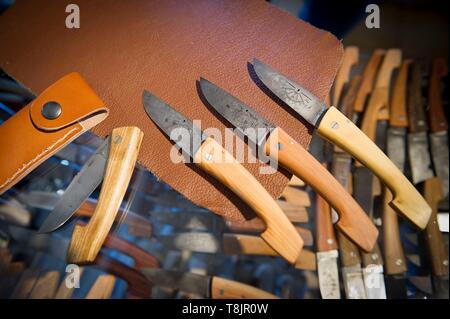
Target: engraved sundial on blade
[{"x": 296, "y": 94}]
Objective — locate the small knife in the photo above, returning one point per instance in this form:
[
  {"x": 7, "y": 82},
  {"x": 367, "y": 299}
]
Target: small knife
[
  {"x": 207, "y": 286},
  {"x": 335, "y": 127},
  {"x": 230, "y": 244},
  {"x": 327, "y": 253},
  {"x": 419, "y": 156},
  {"x": 438, "y": 124},
  {"x": 280, "y": 234},
  {"x": 292, "y": 156},
  {"x": 350, "y": 58}
]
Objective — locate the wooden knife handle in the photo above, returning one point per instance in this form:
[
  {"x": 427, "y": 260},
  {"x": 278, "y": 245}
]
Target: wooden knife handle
[
  {"x": 280, "y": 234},
  {"x": 438, "y": 121},
  {"x": 45, "y": 286},
  {"x": 437, "y": 250},
  {"x": 253, "y": 245},
  {"x": 296, "y": 196},
  {"x": 102, "y": 287},
  {"x": 398, "y": 113},
  {"x": 87, "y": 240},
  {"x": 348, "y": 251},
  {"x": 353, "y": 221},
  {"x": 65, "y": 292},
  {"x": 349, "y": 98},
  {"x": 407, "y": 201},
  {"x": 416, "y": 109},
  {"x": 394, "y": 256},
  {"x": 295, "y": 213},
  {"x": 368, "y": 80},
  {"x": 222, "y": 288},
  {"x": 351, "y": 57},
  {"x": 325, "y": 238},
  {"x": 373, "y": 258}
]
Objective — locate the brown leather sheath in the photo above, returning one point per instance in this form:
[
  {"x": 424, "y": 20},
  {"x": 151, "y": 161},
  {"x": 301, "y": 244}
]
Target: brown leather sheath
[
  {"x": 28, "y": 138},
  {"x": 165, "y": 46}
]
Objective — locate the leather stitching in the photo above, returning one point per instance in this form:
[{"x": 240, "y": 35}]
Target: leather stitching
[{"x": 33, "y": 160}]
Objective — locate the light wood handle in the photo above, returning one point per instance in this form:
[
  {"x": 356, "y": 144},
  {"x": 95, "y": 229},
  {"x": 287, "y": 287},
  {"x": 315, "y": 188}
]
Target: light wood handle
[
  {"x": 87, "y": 240},
  {"x": 280, "y": 234},
  {"x": 102, "y": 287},
  {"x": 325, "y": 238},
  {"x": 296, "y": 196},
  {"x": 352, "y": 219},
  {"x": 407, "y": 201},
  {"x": 398, "y": 113},
  {"x": 295, "y": 213},
  {"x": 296, "y": 182},
  {"x": 46, "y": 285},
  {"x": 235, "y": 244},
  {"x": 64, "y": 291},
  {"x": 437, "y": 250},
  {"x": 222, "y": 288},
  {"x": 368, "y": 80},
  {"x": 438, "y": 121},
  {"x": 394, "y": 256},
  {"x": 351, "y": 57}
]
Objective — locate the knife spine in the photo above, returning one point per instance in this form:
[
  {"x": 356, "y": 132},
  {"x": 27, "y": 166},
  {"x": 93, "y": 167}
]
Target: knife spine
[
  {"x": 87, "y": 240},
  {"x": 280, "y": 234},
  {"x": 407, "y": 201},
  {"x": 292, "y": 156}
]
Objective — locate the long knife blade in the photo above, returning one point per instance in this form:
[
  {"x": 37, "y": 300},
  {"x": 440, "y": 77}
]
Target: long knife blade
[
  {"x": 83, "y": 184},
  {"x": 328, "y": 274}
]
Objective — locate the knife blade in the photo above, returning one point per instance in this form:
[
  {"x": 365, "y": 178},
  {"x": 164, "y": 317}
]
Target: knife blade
[
  {"x": 81, "y": 187},
  {"x": 353, "y": 222},
  {"x": 207, "y": 286},
  {"x": 280, "y": 234},
  {"x": 229, "y": 244},
  {"x": 327, "y": 253},
  {"x": 438, "y": 124},
  {"x": 335, "y": 127},
  {"x": 419, "y": 155}
]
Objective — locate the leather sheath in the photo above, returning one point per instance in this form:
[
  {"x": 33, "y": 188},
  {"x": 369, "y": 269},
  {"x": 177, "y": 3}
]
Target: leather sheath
[
  {"x": 28, "y": 138},
  {"x": 165, "y": 46}
]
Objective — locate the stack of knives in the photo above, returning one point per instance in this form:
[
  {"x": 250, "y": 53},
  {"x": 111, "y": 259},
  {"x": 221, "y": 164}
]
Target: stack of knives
[{"x": 319, "y": 239}]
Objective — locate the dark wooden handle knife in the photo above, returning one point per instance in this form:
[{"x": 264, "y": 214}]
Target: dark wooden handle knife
[{"x": 438, "y": 121}]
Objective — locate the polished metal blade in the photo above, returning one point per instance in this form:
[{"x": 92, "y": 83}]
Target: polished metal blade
[
  {"x": 192, "y": 241},
  {"x": 241, "y": 116},
  {"x": 83, "y": 184},
  {"x": 176, "y": 126},
  {"x": 362, "y": 189},
  {"x": 295, "y": 96},
  {"x": 328, "y": 274},
  {"x": 396, "y": 146},
  {"x": 184, "y": 281},
  {"x": 419, "y": 157},
  {"x": 374, "y": 282},
  {"x": 353, "y": 282},
  {"x": 439, "y": 153}
]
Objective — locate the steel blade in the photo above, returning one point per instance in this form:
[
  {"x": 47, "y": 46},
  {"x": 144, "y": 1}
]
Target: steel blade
[
  {"x": 295, "y": 96},
  {"x": 396, "y": 286},
  {"x": 362, "y": 188},
  {"x": 177, "y": 127},
  {"x": 81, "y": 187},
  {"x": 40, "y": 199},
  {"x": 439, "y": 153},
  {"x": 374, "y": 282},
  {"x": 353, "y": 282},
  {"x": 198, "y": 242},
  {"x": 184, "y": 281},
  {"x": 241, "y": 116},
  {"x": 328, "y": 274},
  {"x": 396, "y": 146},
  {"x": 419, "y": 157}
]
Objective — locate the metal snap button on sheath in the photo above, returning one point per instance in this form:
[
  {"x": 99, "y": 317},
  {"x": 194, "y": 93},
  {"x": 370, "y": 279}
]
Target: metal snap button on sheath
[{"x": 51, "y": 110}]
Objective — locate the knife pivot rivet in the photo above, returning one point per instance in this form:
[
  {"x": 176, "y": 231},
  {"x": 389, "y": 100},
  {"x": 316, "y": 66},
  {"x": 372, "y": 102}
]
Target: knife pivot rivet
[
  {"x": 399, "y": 262},
  {"x": 374, "y": 256},
  {"x": 445, "y": 262},
  {"x": 279, "y": 146},
  {"x": 334, "y": 125},
  {"x": 330, "y": 241},
  {"x": 51, "y": 110},
  {"x": 291, "y": 142},
  {"x": 208, "y": 157}
]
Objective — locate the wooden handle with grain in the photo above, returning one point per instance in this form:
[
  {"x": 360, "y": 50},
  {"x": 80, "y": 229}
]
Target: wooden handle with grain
[
  {"x": 45, "y": 286},
  {"x": 235, "y": 244},
  {"x": 348, "y": 251},
  {"x": 66, "y": 291},
  {"x": 280, "y": 234},
  {"x": 352, "y": 219},
  {"x": 373, "y": 258},
  {"x": 394, "y": 256},
  {"x": 437, "y": 250},
  {"x": 325, "y": 237},
  {"x": 407, "y": 201},
  {"x": 87, "y": 240},
  {"x": 350, "y": 58},
  {"x": 368, "y": 80},
  {"x": 398, "y": 108},
  {"x": 296, "y": 196},
  {"x": 295, "y": 213},
  {"x": 102, "y": 287},
  {"x": 438, "y": 121},
  {"x": 222, "y": 288}
]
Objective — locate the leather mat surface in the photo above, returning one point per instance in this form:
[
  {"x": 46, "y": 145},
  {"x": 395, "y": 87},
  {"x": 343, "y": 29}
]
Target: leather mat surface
[{"x": 124, "y": 47}]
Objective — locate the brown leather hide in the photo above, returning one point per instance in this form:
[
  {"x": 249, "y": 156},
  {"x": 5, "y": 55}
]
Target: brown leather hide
[{"x": 124, "y": 47}]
